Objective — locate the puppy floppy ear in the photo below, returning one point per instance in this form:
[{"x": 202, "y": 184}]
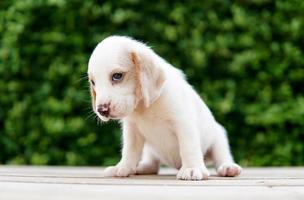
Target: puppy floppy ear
[{"x": 149, "y": 77}]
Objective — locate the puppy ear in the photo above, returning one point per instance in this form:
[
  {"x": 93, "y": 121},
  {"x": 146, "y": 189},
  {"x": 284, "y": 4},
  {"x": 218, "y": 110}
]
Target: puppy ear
[
  {"x": 93, "y": 97},
  {"x": 149, "y": 77}
]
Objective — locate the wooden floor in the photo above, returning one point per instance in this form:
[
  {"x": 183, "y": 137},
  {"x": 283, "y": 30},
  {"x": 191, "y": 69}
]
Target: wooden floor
[{"x": 73, "y": 183}]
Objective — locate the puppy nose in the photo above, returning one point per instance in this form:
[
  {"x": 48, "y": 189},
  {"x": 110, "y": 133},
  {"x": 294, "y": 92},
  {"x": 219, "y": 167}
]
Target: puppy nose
[{"x": 104, "y": 110}]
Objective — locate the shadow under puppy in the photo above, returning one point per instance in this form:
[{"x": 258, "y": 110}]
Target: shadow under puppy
[{"x": 163, "y": 119}]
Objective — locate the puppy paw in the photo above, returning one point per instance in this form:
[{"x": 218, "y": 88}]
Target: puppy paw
[
  {"x": 229, "y": 169},
  {"x": 193, "y": 173},
  {"x": 118, "y": 171},
  {"x": 147, "y": 168}
]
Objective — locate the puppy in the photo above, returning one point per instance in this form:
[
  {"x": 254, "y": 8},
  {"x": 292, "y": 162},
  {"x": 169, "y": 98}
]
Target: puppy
[{"x": 164, "y": 121}]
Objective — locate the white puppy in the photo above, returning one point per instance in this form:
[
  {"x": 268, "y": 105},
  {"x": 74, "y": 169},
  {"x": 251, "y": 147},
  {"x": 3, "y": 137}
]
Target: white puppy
[{"x": 163, "y": 119}]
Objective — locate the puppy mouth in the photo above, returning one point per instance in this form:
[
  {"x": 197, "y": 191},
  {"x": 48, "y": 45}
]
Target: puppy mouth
[
  {"x": 114, "y": 117},
  {"x": 109, "y": 117},
  {"x": 105, "y": 119}
]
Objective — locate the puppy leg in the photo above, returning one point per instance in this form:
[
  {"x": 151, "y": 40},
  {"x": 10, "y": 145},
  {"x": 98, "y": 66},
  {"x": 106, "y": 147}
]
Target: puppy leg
[
  {"x": 222, "y": 157},
  {"x": 193, "y": 166},
  {"x": 149, "y": 163},
  {"x": 131, "y": 152}
]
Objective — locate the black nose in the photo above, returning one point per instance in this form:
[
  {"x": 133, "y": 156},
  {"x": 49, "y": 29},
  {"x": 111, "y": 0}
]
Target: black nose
[{"x": 104, "y": 110}]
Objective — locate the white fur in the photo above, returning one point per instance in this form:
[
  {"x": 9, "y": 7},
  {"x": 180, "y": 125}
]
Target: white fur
[{"x": 167, "y": 122}]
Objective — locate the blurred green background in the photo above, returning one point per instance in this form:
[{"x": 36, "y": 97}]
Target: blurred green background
[{"x": 245, "y": 58}]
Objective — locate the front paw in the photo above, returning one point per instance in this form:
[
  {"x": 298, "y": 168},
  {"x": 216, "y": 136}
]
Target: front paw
[
  {"x": 193, "y": 173},
  {"x": 118, "y": 171},
  {"x": 229, "y": 169}
]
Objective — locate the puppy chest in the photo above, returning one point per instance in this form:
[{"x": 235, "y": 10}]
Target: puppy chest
[
  {"x": 153, "y": 130},
  {"x": 161, "y": 137}
]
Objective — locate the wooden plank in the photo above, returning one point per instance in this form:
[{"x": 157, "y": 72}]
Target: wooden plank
[
  {"x": 23, "y": 182},
  {"x": 29, "y": 191},
  {"x": 295, "y": 172},
  {"x": 152, "y": 182}
]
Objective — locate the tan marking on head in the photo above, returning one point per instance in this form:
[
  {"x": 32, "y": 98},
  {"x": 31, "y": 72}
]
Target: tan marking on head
[
  {"x": 138, "y": 69},
  {"x": 93, "y": 97}
]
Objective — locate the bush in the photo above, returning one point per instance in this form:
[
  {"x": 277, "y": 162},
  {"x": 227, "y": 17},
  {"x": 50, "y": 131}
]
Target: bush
[{"x": 245, "y": 58}]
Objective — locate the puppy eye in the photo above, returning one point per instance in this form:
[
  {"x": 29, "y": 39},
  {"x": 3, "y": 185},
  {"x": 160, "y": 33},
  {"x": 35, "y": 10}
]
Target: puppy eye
[
  {"x": 117, "y": 77},
  {"x": 93, "y": 82}
]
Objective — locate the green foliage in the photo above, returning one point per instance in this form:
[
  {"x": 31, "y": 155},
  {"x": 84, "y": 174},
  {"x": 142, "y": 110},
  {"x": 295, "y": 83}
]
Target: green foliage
[{"x": 245, "y": 58}]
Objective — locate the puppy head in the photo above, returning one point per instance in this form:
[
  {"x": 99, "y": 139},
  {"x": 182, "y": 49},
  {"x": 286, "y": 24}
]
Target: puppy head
[{"x": 123, "y": 74}]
